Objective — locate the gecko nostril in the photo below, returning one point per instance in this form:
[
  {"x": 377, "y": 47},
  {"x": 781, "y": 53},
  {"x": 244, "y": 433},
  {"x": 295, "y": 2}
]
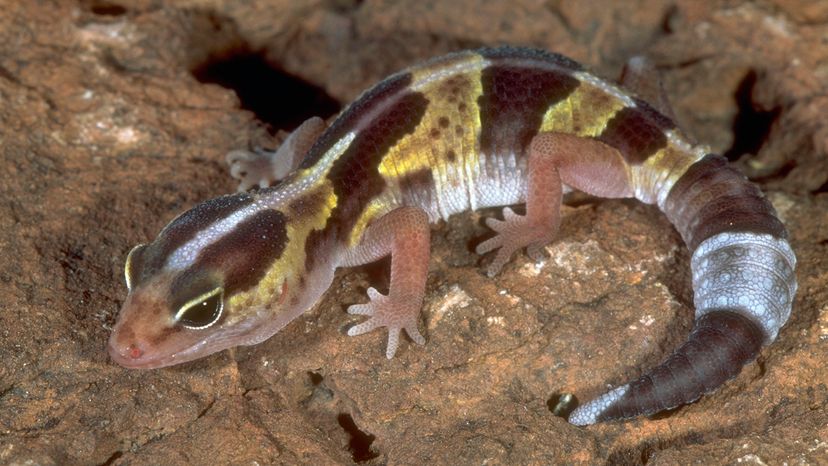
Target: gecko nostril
[
  {"x": 134, "y": 351},
  {"x": 126, "y": 352}
]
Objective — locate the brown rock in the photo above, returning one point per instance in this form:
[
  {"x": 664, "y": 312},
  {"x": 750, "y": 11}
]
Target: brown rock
[{"x": 106, "y": 136}]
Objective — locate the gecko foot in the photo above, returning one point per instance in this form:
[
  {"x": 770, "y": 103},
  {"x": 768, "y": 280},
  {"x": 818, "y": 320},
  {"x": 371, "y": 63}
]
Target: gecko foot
[
  {"x": 514, "y": 232},
  {"x": 265, "y": 168},
  {"x": 251, "y": 168},
  {"x": 395, "y": 313}
]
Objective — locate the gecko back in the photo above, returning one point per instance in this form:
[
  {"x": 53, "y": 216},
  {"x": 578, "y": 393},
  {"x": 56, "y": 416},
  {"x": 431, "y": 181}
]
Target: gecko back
[{"x": 474, "y": 129}]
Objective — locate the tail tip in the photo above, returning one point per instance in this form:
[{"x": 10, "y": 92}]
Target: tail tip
[{"x": 592, "y": 411}]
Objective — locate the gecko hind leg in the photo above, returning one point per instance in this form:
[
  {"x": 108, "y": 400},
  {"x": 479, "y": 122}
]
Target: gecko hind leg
[
  {"x": 264, "y": 168},
  {"x": 641, "y": 76},
  {"x": 555, "y": 159}
]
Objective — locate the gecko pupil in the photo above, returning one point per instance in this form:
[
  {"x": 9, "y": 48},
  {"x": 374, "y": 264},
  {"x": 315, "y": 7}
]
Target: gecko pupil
[{"x": 204, "y": 312}]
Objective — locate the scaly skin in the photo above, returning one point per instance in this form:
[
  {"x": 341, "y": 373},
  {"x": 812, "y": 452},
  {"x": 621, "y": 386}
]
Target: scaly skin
[{"x": 469, "y": 130}]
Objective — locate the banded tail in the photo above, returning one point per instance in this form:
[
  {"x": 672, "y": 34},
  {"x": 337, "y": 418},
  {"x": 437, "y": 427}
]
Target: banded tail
[{"x": 743, "y": 282}]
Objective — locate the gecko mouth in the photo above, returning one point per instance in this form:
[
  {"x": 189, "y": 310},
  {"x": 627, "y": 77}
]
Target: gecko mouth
[
  {"x": 132, "y": 352},
  {"x": 136, "y": 356}
]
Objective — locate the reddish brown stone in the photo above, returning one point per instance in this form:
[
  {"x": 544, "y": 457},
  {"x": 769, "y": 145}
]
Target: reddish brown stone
[{"x": 106, "y": 137}]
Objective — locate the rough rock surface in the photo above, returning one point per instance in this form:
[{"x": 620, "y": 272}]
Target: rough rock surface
[{"x": 108, "y": 130}]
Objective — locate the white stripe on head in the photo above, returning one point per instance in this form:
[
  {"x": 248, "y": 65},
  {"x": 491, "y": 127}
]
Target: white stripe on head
[{"x": 186, "y": 255}]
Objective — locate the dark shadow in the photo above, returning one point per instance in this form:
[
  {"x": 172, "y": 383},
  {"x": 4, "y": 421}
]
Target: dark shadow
[
  {"x": 276, "y": 97},
  {"x": 315, "y": 378},
  {"x": 751, "y": 127},
  {"x": 112, "y": 458},
  {"x": 670, "y": 17},
  {"x": 104, "y": 8},
  {"x": 360, "y": 443},
  {"x": 821, "y": 189},
  {"x": 643, "y": 452}
]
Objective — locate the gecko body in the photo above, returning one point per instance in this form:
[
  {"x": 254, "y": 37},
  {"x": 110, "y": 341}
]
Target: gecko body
[{"x": 473, "y": 129}]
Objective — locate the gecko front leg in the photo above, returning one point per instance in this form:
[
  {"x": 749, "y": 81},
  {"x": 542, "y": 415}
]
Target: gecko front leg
[
  {"x": 555, "y": 159},
  {"x": 404, "y": 234},
  {"x": 264, "y": 168}
]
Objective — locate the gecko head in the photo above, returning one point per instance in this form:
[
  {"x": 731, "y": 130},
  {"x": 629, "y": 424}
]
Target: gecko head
[
  {"x": 206, "y": 283},
  {"x": 158, "y": 326}
]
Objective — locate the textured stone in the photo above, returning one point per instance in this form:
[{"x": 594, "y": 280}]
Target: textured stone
[{"x": 106, "y": 136}]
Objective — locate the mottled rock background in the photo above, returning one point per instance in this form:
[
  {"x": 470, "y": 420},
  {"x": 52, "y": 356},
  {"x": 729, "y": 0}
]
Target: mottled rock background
[{"x": 110, "y": 126}]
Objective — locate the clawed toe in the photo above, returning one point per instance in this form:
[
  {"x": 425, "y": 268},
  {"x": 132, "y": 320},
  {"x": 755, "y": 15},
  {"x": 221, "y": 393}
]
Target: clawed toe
[
  {"x": 414, "y": 333},
  {"x": 265, "y": 168},
  {"x": 364, "y": 327},
  {"x": 393, "y": 342},
  {"x": 489, "y": 245},
  {"x": 386, "y": 312},
  {"x": 514, "y": 232},
  {"x": 367, "y": 309},
  {"x": 360, "y": 310},
  {"x": 251, "y": 168}
]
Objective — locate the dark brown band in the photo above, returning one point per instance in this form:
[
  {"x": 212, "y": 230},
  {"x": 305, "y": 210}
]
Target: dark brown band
[
  {"x": 721, "y": 343},
  {"x": 712, "y": 197}
]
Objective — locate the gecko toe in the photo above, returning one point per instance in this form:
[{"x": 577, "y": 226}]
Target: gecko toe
[
  {"x": 360, "y": 309},
  {"x": 494, "y": 223},
  {"x": 364, "y": 327},
  {"x": 414, "y": 333},
  {"x": 497, "y": 264},
  {"x": 251, "y": 168},
  {"x": 509, "y": 215},
  {"x": 373, "y": 294},
  {"x": 393, "y": 342},
  {"x": 489, "y": 245}
]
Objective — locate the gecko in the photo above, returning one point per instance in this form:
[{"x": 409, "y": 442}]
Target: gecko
[{"x": 473, "y": 129}]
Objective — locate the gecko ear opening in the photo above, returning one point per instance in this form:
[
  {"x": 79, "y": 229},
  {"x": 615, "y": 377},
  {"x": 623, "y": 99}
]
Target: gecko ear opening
[
  {"x": 134, "y": 266},
  {"x": 203, "y": 311}
]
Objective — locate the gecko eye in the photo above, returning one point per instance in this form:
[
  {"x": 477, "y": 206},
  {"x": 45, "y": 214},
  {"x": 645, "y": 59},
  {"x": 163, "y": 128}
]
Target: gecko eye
[
  {"x": 203, "y": 311},
  {"x": 134, "y": 263}
]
